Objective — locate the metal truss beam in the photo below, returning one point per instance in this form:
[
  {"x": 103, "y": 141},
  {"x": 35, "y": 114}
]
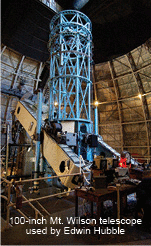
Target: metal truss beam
[
  {"x": 17, "y": 72},
  {"x": 7, "y": 105},
  {"x": 70, "y": 47},
  {"x": 39, "y": 70},
  {"x": 3, "y": 49},
  {"x": 12, "y": 93},
  {"x": 123, "y": 123}
]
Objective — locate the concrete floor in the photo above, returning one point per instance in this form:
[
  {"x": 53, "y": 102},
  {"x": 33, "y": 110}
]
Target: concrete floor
[{"x": 64, "y": 207}]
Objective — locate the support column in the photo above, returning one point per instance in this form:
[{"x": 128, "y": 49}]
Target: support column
[
  {"x": 96, "y": 120},
  {"x": 38, "y": 131}
]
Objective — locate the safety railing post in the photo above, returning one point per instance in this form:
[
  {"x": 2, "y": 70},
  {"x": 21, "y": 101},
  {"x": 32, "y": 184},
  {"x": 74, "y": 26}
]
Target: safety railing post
[
  {"x": 8, "y": 206},
  {"x": 7, "y": 150},
  {"x": 36, "y": 214},
  {"x": 118, "y": 202}
]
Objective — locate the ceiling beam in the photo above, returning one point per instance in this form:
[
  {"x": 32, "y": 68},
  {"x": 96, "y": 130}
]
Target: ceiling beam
[
  {"x": 38, "y": 73},
  {"x": 94, "y": 83},
  {"x": 117, "y": 94},
  {"x": 3, "y": 49},
  {"x": 123, "y": 123},
  {"x": 12, "y": 93},
  {"x": 17, "y": 72}
]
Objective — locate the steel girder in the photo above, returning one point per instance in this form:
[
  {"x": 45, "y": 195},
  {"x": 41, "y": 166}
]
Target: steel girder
[{"x": 70, "y": 47}]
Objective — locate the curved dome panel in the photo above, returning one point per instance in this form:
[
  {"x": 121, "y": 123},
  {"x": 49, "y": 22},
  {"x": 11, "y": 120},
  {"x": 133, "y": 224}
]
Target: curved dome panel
[
  {"x": 25, "y": 27},
  {"x": 123, "y": 88}
]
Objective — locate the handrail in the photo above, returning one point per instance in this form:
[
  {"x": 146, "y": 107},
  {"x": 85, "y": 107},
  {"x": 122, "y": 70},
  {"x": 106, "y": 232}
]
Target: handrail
[
  {"x": 44, "y": 197},
  {"x": 43, "y": 208},
  {"x": 44, "y": 178},
  {"x": 6, "y": 181},
  {"x": 5, "y": 197},
  {"x": 36, "y": 210},
  {"x": 12, "y": 204},
  {"x": 51, "y": 177},
  {"x": 21, "y": 212}
]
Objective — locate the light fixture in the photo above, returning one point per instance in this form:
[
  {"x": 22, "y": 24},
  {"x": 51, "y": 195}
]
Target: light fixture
[
  {"x": 140, "y": 96},
  {"x": 29, "y": 149},
  {"x": 55, "y": 104},
  {"x": 96, "y": 103}
]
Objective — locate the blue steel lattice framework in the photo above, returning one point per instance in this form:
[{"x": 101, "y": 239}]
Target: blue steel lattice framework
[{"x": 70, "y": 46}]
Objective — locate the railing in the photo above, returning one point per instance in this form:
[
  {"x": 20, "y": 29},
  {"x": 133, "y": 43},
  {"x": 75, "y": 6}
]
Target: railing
[
  {"x": 4, "y": 197},
  {"x": 9, "y": 204},
  {"x": 29, "y": 201}
]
